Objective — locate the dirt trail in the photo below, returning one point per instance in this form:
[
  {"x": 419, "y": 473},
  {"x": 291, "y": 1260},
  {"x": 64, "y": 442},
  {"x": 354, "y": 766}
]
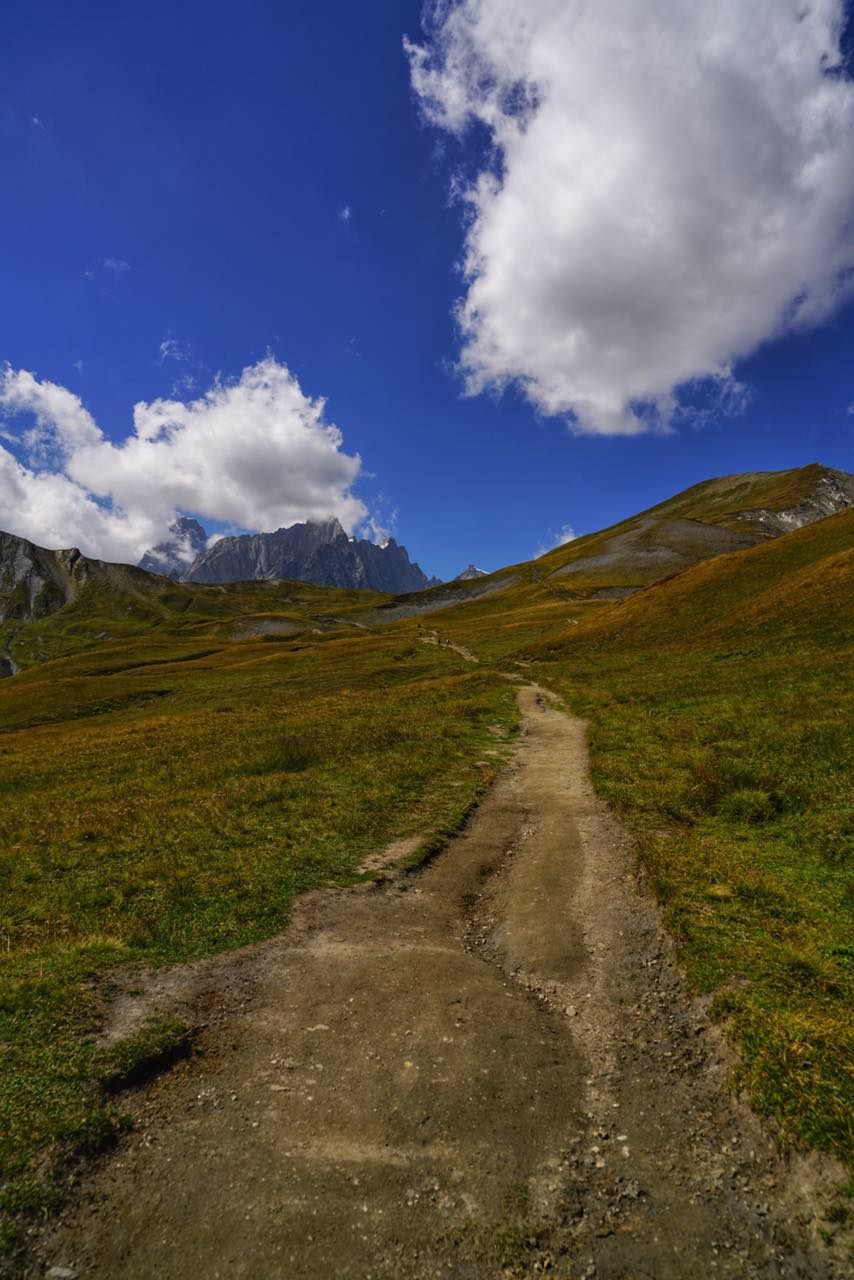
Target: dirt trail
[
  {"x": 434, "y": 637},
  {"x": 488, "y": 1069}
]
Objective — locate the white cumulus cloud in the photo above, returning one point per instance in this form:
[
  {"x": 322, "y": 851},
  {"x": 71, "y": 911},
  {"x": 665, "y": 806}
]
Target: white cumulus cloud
[
  {"x": 670, "y": 184},
  {"x": 255, "y": 453}
]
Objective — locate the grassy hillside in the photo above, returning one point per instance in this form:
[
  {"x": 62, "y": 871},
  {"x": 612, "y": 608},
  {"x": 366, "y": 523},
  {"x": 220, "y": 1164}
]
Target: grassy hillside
[
  {"x": 118, "y": 603},
  {"x": 794, "y": 590},
  {"x": 167, "y": 796},
  {"x": 587, "y": 573},
  {"x": 721, "y": 501}
]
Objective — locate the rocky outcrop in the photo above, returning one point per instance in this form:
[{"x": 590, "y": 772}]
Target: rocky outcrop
[
  {"x": 318, "y": 552},
  {"x": 174, "y": 557},
  {"x": 35, "y": 582},
  {"x": 833, "y": 491}
]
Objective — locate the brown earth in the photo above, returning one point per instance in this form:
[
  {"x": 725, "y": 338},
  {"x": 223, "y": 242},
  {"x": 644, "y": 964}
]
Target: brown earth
[{"x": 488, "y": 1068}]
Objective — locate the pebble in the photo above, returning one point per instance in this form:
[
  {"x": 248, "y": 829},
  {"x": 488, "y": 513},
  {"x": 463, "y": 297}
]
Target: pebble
[{"x": 62, "y": 1273}]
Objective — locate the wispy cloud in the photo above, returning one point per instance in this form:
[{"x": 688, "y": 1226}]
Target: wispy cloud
[
  {"x": 381, "y": 525},
  {"x": 183, "y": 386},
  {"x": 117, "y": 266},
  {"x": 557, "y": 539},
  {"x": 174, "y": 349},
  {"x": 107, "y": 273}
]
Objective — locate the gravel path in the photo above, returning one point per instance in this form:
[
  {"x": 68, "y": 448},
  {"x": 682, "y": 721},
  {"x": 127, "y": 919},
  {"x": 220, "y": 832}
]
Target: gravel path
[{"x": 487, "y": 1069}]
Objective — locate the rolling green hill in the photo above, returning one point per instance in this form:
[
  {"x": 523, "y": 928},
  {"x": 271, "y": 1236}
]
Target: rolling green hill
[{"x": 71, "y": 603}]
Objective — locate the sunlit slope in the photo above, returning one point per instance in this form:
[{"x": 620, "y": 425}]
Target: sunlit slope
[
  {"x": 717, "y": 517},
  {"x": 799, "y": 587},
  {"x": 725, "y": 499}
]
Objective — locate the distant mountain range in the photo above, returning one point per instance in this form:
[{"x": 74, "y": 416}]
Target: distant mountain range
[
  {"x": 716, "y": 517},
  {"x": 318, "y": 551}
]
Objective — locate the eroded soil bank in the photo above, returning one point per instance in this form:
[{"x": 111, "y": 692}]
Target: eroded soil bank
[{"x": 488, "y": 1068}]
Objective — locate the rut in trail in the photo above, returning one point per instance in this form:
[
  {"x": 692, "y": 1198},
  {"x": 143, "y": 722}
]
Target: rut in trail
[{"x": 488, "y": 1069}]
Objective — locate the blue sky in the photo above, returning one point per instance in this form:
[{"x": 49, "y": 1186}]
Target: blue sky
[{"x": 191, "y": 189}]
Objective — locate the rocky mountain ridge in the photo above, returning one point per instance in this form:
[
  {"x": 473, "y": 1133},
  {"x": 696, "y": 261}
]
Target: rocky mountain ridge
[{"x": 316, "y": 551}]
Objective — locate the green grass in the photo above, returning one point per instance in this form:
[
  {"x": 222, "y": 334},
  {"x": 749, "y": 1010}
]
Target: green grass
[
  {"x": 161, "y": 1041},
  {"x": 156, "y": 810},
  {"x": 730, "y": 776},
  {"x": 117, "y": 604},
  {"x": 721, "y": 501}
]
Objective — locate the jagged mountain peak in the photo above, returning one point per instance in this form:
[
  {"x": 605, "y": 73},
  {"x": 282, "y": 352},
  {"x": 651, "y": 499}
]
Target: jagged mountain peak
[
  {"x": 318, "y": 551},
  {"x": 329, "y": 528},
  {"x": 173, "y": 557}
]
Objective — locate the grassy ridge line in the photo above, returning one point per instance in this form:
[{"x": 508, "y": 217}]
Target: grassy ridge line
[
  {"x": 155, "y": 830},
  {"x": 536, "y": 605},
  {"x": 721, "y": 501},
  {"x": 713, "y": 502}
]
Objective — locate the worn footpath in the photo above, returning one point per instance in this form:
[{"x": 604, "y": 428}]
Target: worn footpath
[{"x": 488, "y": 1068}]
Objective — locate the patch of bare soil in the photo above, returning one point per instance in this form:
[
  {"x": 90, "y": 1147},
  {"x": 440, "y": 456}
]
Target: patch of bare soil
[
  {"x": 491, "y": 1068},
  {"x": 393, "y": 854}
]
